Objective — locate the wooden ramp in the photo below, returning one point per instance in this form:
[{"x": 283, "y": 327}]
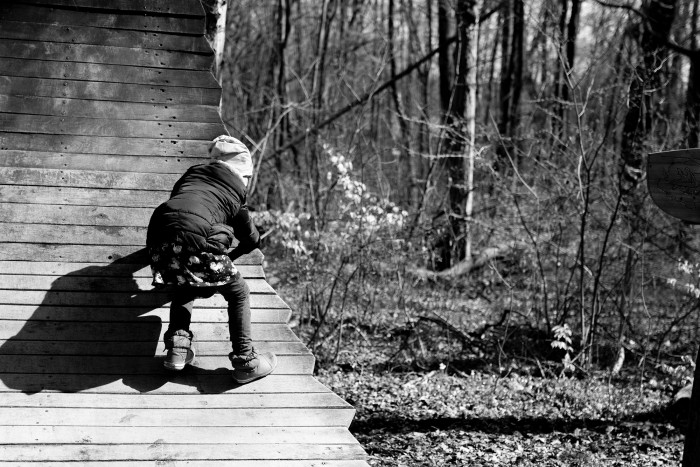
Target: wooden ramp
[{"x": 103, "y": 104}]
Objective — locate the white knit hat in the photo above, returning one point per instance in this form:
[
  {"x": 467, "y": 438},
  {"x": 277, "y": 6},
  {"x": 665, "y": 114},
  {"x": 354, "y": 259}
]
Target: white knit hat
[{"x": 234, "y": 154}]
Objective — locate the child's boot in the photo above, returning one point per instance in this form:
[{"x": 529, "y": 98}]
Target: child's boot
[
  {"x": 180, "y": 350},
  {"x": 247, "y": 368}
]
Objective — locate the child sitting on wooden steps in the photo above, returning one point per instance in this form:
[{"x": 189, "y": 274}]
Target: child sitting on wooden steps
[{"x": 188, "y": 239}]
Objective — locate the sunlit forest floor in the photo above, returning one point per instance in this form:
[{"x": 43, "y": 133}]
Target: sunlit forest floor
[
  {"x": 481, "y": 419},
  {"x": 426, "y": 397}
]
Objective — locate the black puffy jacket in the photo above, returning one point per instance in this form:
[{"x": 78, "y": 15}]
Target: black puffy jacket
[{"x": 206, "y": 210}]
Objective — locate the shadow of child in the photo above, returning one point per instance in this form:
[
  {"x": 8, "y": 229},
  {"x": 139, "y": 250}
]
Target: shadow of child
[{"x": 92, "y": 329}]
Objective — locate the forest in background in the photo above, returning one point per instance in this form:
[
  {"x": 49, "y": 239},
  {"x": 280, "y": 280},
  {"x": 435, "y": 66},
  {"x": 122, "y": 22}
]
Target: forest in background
[{"x": 461, "y": 183}]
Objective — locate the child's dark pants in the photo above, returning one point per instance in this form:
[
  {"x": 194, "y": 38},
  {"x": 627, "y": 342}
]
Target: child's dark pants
[{"x": 236, "y": 293}]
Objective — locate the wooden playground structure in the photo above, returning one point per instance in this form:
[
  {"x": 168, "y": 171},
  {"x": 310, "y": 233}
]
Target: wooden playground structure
[{"x": 103, "y": 105}]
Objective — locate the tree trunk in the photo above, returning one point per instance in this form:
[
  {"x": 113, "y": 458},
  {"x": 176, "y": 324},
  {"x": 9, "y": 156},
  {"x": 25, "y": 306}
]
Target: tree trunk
[
  {"x": 511, "y": 79},
  {"x": 691, "y": 122},
  {"x": 454, "y": 99},
  {"x": 571, "y": 34},
  {"x": 405, "y": 163}
]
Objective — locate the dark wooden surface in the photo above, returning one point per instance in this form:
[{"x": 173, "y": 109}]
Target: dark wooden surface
[
  {"x": 673, "y": 178},
  {"x": 103, "y": 105}
]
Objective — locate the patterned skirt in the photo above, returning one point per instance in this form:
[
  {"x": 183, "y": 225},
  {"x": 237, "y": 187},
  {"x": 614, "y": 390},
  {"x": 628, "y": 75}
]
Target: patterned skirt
[{"x": 173, "y": 264}]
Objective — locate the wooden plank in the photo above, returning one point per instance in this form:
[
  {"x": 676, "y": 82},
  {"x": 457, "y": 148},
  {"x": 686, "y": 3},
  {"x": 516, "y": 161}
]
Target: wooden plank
[
  {"x": 88, "y": 179},
  {"x": 124, "y": 349},
  {"x": 10, "y": 251},
  {"x": 207, "y": 463},
  {"x": 80, "y": 215},
  {"x": 106, "y": 145},
  {"x": 189, "y": 381},
  {"x": 163, "y": 7},
  {"x": 80, "y": 126},
  {"x": 108, "y": 73},
  {"x": 61, "y": 452},
  {"x": 673, "y": 179},
  {"x": 65, "y": 17},
  {"x": 148, "y": 329},
  {"x": 86, "y": 284},
  {"x": 107, "y": 162},
  {"x": 201, "y": 315},
  {"x": 301, "y": 364},
  {"x": 100, "y": 270},
  {"x": 106, "y": 37},
  {"x": 250, "y": 417},
  {"x": 72, "y": 234},
  {"x": 174, "y": 435},
  {"x": 113, "y": 110},
  {"x": 156, "y": 401},
  {"x": 94, "y": 196},
  {"x": 103, "y": 91},
  {"x": 88, "y": 53},
  {"x": 57, "y": 434},
  {"x": 137, "y": 299}
]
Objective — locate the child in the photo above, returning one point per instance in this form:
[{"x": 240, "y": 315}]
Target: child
[{"x": 188, "y": 237}]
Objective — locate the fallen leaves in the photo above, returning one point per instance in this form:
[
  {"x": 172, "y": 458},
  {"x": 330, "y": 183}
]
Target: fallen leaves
[{"x": 436, "y": 419}]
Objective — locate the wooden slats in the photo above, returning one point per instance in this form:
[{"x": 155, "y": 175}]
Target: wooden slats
[
  {"x": 123, "y": 314},
  {"x": 175, "y": 435},
  {"x": 196, "y": 401},
  {"x": 136, "y": 348},
  {"x": 116, "y": 299},
  {"x": 207, "y": 463},
  {"x": 146, "y": 329},
  {"x": 103, "y": 105},
  {"x": 105, "y": 37},
  {"x": 137, "y": 22},
  {"x": 87, "y": 179},
  {"x": 162, "y": 7},
  {"x": 287, "y": 364},
  {"x": 107, "y": 73},
  {"x": 248, "y": 271},
  {"x": 16, "y": 251},
  {"x": 107, "y": 162},
  {"x": 94, "y": 196},
  {"x": 75, "y": 215},
  {"x": 182, "y": 451},
  {"x": 108, "y": 109},
  {"x": 91, "y": 284},
  {"x": 106, "y": 91},
  {"x": 86, "y": 53},
  {"x": 192, "y": 381},
  {"x": 121, "y": 365},
  {"x": 41, "y": 125}
]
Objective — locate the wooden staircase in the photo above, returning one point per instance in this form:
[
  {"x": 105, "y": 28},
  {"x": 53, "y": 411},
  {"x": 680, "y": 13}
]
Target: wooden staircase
[{"x": 103, "y": 105}]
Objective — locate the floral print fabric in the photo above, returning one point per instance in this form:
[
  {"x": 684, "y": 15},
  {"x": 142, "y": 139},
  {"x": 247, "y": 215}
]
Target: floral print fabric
[{"x": 173, "y": 264}]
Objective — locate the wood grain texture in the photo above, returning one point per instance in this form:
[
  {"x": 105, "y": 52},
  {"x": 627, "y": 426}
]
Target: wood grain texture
[
  {"x": 186, "y": 451},
  {"x": 183, "y": 383},
  {"x": 88, "y": 53},
  {"x": 41, "y": 14},
  {"x": 105, "y": 37},
  {"x": 108, "y": 110},
  {"x": 200, "y": 463},
  {"x": 93, "y": 196},
  {"x": 108, "y": 73},
  {"x": 43, "y": 268},
  {"x": 107, "y": 91},
  {"x": 87, "y": 162},
  {"x": 162, "y": 7},
  {"x": 673, "y": 179}
]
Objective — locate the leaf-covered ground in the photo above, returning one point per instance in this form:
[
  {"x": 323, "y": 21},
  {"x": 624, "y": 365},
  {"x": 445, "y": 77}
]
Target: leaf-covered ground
[{"x": 436, "y": 419}]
